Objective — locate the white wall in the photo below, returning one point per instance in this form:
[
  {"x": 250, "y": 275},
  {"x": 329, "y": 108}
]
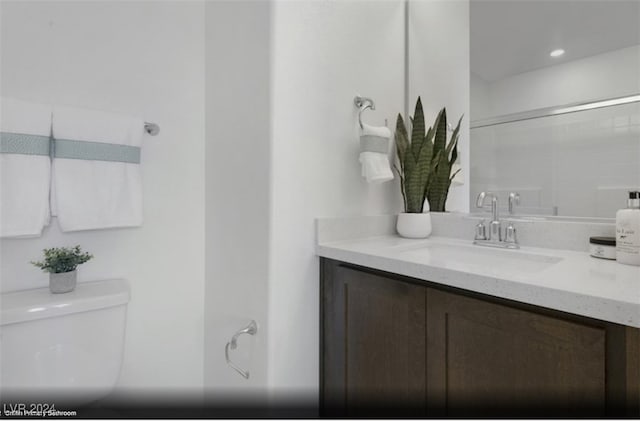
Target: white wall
[
  {"x": 439, "y": 73},
  {"x": 145, "y": 59},
  {"x": 483, "y": 165},
  {"x": 324, "y": 53},
  {"x": 237, "y": 195},
  {"x": 479, "y": 98}
]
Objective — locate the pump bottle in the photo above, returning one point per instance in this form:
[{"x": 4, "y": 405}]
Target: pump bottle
[{"x": 628, "y": 231}]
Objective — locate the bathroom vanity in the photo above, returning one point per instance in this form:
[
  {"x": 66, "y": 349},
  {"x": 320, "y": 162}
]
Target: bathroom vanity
[{"x": 439, "y": 328}]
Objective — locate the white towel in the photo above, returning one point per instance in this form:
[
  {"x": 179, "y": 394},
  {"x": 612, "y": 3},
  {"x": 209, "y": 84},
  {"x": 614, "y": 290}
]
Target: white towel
[
  {"x": 374, "y": 146},
  {"x": 381, "y": 131},
  {"x": 375, "y": 167},
  {"x": 95, "y": 194},
  {"x": 24, "y": 178}
]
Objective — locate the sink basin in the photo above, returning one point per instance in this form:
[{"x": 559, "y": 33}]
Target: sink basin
[{"x": 480, "y": 258}]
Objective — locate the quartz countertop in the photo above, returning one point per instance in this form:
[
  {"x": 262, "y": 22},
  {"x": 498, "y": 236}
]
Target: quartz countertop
[{"x": 570, "y": 281}]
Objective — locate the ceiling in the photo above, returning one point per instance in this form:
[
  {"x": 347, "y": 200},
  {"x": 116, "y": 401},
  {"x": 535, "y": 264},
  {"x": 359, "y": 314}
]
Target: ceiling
[{"x": 509, "y": 37}]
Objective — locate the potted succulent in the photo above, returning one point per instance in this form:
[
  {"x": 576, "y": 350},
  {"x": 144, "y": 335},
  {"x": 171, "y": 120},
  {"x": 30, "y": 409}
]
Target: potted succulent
[
  {"x": 424, "y": 167},
  {"x": 61, "y": 263}
]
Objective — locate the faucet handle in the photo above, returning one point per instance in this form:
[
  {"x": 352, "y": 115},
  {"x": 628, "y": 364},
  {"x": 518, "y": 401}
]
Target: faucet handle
[
  {"x": 514, "y": 199},
  {"x": 510, "y": 235},
  {"x": 480, "y": 200},
  {"x": 481, "y": 231}
]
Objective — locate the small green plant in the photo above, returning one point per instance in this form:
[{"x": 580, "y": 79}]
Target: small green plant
[
  {"x": 425, "y": 161},
  {"x": 62, "y": 259}
]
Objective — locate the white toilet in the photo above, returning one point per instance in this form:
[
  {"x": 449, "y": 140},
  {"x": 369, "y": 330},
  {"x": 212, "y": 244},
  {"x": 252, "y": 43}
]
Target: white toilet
[{"x": 62, "y": 348}]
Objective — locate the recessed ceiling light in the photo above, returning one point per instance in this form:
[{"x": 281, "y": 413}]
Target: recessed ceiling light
[{"x": 557, "y": 53}]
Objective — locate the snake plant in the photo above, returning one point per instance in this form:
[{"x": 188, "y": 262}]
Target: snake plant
[
  {"x": 416, "y": 159},
  {"x": 425, "y": 160},
  {"x": 441, "y": 179}
]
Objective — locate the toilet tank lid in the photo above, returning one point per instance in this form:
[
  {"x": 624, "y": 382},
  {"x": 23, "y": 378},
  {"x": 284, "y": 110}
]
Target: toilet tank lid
[{"x": 33, "y": 304}]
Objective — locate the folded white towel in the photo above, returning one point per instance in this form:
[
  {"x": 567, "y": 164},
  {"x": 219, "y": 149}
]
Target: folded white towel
[
  {"x": 381, "y": 131},
  {"x": 375, "y": 167},
  {"x": 25, "y": 168},
  {"x": 374, "y": 149},
  {"x": 88, "y": 192}
]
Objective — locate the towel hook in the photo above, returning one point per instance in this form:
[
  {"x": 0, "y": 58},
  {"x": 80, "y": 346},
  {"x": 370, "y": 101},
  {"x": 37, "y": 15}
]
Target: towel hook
[{"x": 363, "y": 103}]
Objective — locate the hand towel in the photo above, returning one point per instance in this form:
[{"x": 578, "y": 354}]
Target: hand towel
[
  {"x": 381, "y": 131},
  {"x": 95, "y": 183},
  {"x": 25, "y": 167},
  {"x": 375, "y": 167},
  {"x": 374, "y": 147}
]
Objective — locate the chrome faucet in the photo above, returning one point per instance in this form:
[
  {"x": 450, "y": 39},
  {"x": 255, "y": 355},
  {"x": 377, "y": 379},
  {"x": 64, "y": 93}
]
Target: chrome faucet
[
  {"x": 495, "y": 233},
  {"x": 494, "y": 238}
]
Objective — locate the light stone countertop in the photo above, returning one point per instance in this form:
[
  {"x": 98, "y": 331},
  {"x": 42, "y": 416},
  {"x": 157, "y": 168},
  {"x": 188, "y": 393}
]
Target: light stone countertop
[{"x": 570, "y": 281}]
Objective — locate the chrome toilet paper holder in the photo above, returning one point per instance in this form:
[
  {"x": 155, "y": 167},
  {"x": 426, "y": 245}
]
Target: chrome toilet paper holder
[{"x": 250, "y": 329}]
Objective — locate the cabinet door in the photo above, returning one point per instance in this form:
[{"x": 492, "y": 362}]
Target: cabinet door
[
  {"x": 488, "y": 359},
  {"x": 373, "y": 344}
]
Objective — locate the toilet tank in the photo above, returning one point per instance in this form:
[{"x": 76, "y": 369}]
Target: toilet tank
[{"x": 65, "y": 348}]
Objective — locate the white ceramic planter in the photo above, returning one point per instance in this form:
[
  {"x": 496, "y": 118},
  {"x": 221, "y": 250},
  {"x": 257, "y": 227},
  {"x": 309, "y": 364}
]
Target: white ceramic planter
[
  {"x": 414, "y": 225},
  {"x": 62, "y": 282}
]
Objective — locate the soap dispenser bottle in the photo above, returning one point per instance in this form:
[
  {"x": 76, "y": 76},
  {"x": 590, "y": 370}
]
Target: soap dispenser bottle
[{"x": 628, "y": 231}]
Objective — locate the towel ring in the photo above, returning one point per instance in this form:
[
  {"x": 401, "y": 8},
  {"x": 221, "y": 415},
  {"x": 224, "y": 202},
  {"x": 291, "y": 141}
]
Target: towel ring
[{"x": 363, "y": 103}]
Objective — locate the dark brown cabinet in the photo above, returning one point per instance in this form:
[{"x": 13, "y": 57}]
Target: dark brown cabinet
[
  {"x": 497, "y": 359},
  {"x": 374, "y": 343},
  {"x": 395, "y": 346}
]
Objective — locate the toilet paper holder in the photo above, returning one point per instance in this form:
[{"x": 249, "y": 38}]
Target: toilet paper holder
[{"x": 250, "y": 329}]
